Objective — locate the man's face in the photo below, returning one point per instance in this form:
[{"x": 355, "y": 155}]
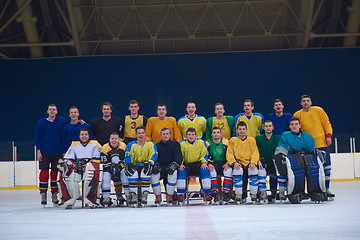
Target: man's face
[
  {"x": 268, "y": 127},
  {"x": 106, "y": 110},
  {"x": 219, "y": 111},
  {"x": 114, "y": 140},
  {"x": 74, "y": 114},
  {"x": 306, "y": 103},
  {"x": 52, "y": 111},
  {"x": 191, "y": 108},
  {"x": 216, "y": 134},
  {"x": 165, "y": 135},
  {"x": 295, "y": 126},
  {"x": 191, "y": 136},
  {"x": 161, "y": 111},
  {"x": 140, "y": 134},
  {"x": 278, "y": 107},
  {"x": 248, "y": 108},
  {"x": 241, "y": 131},
  {"x": 134, "y": 108},
  {"x": 84, "y": 136}
]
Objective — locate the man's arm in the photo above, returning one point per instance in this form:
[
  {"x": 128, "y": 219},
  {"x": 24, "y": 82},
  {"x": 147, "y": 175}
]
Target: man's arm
[
  {"x": 177, "y": 134},
  {"x": 230, "y": 157},
  {"x": 327, "y": 126},
  {"x": 149, "y": 129},
  {"x": 177, "y": 154},
  {"x": 38, "y": 138},
  {"x": 208, "y": 129}
]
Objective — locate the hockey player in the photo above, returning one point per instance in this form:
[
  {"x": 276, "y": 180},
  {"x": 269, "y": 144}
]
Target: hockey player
[
  {"x": 140, "y": 157},
  {"x": 129, "y": 123},
  {"x": 225, "y": 123},
  {"x": 166, "y": 166},
  {"x": 253, "y": 120},
  {"x": 243, "y": 155},
  {"x": 192, "y": 120},
  {"x": 300, "y": 163},
  {"x": 217, "y": 147},
  {"x": 71, "y": 130},
  {"x": 102, "y": 127},
  {"x": 267, "y": 144},
  {"x": 279, "y": 119},
  {"x": 84, "y": 156},
  {"x": 195, "y": 158},
  {"x": 315, "y": 121},
  {"x": 49, "y": 151},
  {"x": 155, "y": 124},
  {"x": 113, "y": 160}
]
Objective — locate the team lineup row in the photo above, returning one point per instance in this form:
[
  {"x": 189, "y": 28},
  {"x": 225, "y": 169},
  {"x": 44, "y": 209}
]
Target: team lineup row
[{"x": 235, "y": 163}]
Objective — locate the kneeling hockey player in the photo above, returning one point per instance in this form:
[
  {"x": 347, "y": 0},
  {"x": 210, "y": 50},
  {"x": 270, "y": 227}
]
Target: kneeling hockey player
[
  {"x": 81, "y": 162},
  {"x": 295, "y": 161}
]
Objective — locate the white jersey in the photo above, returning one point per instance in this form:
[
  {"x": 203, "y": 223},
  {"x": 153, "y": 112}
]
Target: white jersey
[{"x": 77, "y": 150}]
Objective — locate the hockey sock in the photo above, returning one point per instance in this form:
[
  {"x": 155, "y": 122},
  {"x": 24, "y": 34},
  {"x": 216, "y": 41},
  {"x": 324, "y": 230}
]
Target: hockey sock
[
  {"x": 273, "y": 182},
  {"x": 53, "y": 181},
  {"x": 44, "y": 180},
  {"x": 213, "y": 180},
  {"x": 327, "y": 170},
  {"x": 155, "y": 183},
  {"x": 205, "y": 180},
  {"x": 171, "y": 183},
  {"x": 254, "y": 178},
  {"x": 145, "y": 182},
  {"x": 262, "y": 179},
  {"x": 181, "y": 181},
  {"x": 106, "y": 187},
  {"x": 228, "y": 180}
]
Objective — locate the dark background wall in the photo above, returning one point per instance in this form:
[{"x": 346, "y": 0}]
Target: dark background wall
[{"x": 330, "y": 76}]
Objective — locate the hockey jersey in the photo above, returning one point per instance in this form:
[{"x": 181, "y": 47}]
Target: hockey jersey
[
  {"x": 291, "y": 143},
  {"x": 226, "y": 125},
  {"x": 128, "y": 126},
  {"x": 316, "y": 123},
  {"x": 194, "y": 152},
  {"x": 154, "y": 126},
  {"x": 77, "y": 150},
  {"x": 267, "y": 146},
  {"x": 169, "y": 152},
  {"x": 71, "y": 132},
  {"x": 217, "y": 152},
  {"x": 139, "y": 155},
  {"x": 254, "y": 124},
  {"x": 281, "y": 124},
  {"x": 107, "y": 152},
  {"x": 199, "y": 123},
  {"x": 242, "y": 151}
]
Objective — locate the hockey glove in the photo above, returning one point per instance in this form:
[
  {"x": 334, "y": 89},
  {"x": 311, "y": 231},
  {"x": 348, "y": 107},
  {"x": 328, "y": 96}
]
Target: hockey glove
[
  {"x": 130, "y": 169},
  {"x": 156, "y": 168},
  {"x": 148, "y": 167},
  {"x": 172, "y": 168},
  {"x": 80, "y": 164}
]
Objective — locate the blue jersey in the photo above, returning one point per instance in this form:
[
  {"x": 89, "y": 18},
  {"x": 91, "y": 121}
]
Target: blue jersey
[
  {"x": 293, "y": 143},
  {"x": 48, "y": 135},
  {"x": 71, "y": 133},
  {"x": 281, "y": 124}
]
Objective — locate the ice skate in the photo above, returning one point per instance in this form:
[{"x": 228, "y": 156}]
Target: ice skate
[
  {"x": 238, "y": 199},
  {"x": 120, "y": 199},
  {"x": 106, "y": 202},
  {"x": 54, "y": 199},
  {"x": 43, "y": 196},
  {"x": 169, "y": 199},
  {"x": 144, "y": 198},
  {"x": 181, "y": 199},
  {"x": 134, "y": 200},
  {"x": 207, "y": 198},
  {"x": 158, "y": 200},
  {"x": 329, "y": 195},
  {"x": 215, "y": 197},
  {"x": 254, "y": 199}
]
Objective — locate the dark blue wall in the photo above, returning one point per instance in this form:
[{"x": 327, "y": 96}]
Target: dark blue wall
[{"x": 331, "y": 76}]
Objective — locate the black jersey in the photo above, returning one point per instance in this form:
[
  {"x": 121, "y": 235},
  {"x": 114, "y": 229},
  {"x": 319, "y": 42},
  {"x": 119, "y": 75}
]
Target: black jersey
[{"x": 102, "y": 129}]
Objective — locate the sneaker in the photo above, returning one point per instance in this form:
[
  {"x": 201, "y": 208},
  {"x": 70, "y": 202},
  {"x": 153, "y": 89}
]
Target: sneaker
[
  {"x": 144, "y": 198},
  {"x": 120, "y": 199},
  {"x": 54, "y": 198},
  {"x": 207, "y": 198},
  {"x": 238, "y": 199},
  {"x": 215, "y": 197},
  {"x": 158, "y": 199},
  {"x": 169, "y": 199},
  {"x": 43, "y": 196},
  {"x": 181, "y": 199}
]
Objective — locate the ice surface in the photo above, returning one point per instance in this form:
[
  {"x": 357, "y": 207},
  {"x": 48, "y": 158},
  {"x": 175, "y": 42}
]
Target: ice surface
[{"x": 22, "y": 217}]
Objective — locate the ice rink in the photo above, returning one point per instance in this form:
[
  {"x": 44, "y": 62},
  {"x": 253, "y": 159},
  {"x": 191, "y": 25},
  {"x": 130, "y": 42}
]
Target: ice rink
[{"x": 22, "y": 217}]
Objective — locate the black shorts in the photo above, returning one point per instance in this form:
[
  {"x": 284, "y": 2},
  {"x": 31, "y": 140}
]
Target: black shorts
[
  {"x": 49, "y": 161},
  {"x": 218, "y": 165},
  {"x": 193, "y": 169}
]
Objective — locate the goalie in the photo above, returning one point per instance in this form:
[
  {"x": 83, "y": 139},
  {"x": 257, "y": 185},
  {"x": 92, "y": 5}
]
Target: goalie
[
  {"x": 296, "y": 160},
  {"x": 81, "y": 162}
]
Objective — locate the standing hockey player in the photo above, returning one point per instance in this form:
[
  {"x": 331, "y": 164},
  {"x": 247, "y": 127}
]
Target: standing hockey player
[
  {"x": 166, "y": 166},
  {"x": 279, "y": 119},
  {"x": 299, "y": 164},
  {"x": 130, "y": 122},
  {"x": 192, "y": 120},
  {"x": 243, "y": 156},
  {"x": 113, "y": 160},
  {"x": 81, "y": 162},
  {"x": 71, "y": 130},
  {"x": 316, "y": 122},
  {"x": 267, "y": 144},
  {"x": 155, "y": 124},
  {"x": 225, "y": 123},
  {"x": 253, "y": 120},
  {"x": 140, "y": 157},
  {"x": 48, "y": 151},
  {"x": 217, "y": 147},
  {"x": 195, "y": 158},
  {"x": 102, "y": 127}
]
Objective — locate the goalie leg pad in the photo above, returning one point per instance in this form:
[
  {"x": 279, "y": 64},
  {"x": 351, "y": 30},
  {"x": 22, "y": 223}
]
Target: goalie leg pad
[
  {"x": 315, "y": 175},
  {"x": 92, "y": 183},
  {"x": 69, "y": 188},
  {"x": 280, "y": 164},
  {"x": 296, "y": 173}
]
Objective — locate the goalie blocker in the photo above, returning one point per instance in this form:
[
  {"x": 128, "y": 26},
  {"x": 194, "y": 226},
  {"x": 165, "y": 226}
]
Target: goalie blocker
[{"x": 298, "y": 167}]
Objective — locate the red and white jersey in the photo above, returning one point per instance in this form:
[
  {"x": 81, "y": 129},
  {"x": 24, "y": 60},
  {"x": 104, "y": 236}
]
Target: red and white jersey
[{"x": 77, "y": 150}]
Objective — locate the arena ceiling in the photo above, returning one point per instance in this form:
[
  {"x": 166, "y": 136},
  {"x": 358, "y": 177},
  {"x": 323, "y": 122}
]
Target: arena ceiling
[{"x": 53, "y": 28}]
